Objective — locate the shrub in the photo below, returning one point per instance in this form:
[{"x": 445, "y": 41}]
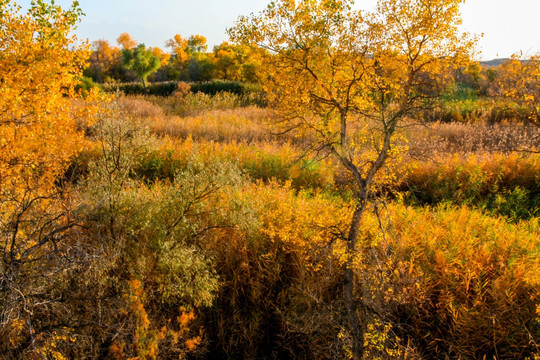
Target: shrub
[
  {"x": 442, "y": 282},
  {"x": 471, "y": 110},
  {"x": 477, "y": 289},
  {"x": 148, "y": 272},
  {"x": 136, "y": 88},
  {"x": 182, "y": 90},
  {"x": 504, "y": 185},
  {"x": 218, "y": 86},
  {"x": 85, "y": 85},
  {"x": 168, "y": 88}
]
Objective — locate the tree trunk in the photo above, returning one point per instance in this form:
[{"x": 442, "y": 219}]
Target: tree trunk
[
  {"x": 355, "y": 324},
  {"x": 144, "y": 85}
]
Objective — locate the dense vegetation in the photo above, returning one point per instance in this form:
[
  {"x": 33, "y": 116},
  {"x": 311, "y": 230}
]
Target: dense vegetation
[{"x": 183, "y": 226}]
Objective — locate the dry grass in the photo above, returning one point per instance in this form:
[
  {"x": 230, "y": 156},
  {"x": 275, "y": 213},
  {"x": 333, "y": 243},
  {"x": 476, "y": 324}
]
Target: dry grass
[
  {"x": 219, "y": 119},
  {"x": 138, "y": 107},
  {"x": 196, "y": 103},
  {"x": 480, "y": 137},
  {"x": 223, "y": 125},
  {"x": 243, "y": 135}
]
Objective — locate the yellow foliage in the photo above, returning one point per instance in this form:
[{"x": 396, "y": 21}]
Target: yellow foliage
[
  {"x": 126, "y": 41},
  {"x": 162, "y": 55},
  {"x": 39, "y": 66},
  {"x": 303, "y": 224},
  {"x": 183, "y": 49},
  {"x": 40, "y": 115},
  {"x": 519, "y": 81}
]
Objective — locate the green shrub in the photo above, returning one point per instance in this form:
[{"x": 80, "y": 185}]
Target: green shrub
[
  {"x": 135, "y": 88},
  {"x": 245, "y": 94},
  {"x": 85, "y": 85}
]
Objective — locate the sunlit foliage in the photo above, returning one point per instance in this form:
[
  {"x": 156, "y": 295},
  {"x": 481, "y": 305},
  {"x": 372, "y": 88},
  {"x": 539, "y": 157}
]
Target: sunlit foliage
[
  {"x": 40, "y": 64},
  {"x": 351, "y": 78},
  {"x": 519, "y": 81}
]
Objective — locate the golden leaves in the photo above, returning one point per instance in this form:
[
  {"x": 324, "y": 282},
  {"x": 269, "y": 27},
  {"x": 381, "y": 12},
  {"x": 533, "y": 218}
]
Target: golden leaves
[
  {"x": 38, "y": 134},
  {"x": 332, "y": 71},
  {"x": 519, "y": 82},
  {"x": 126, "y": 41}
]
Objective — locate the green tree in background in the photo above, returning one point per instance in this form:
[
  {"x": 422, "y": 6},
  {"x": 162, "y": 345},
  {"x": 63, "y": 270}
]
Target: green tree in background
[{"x": 141, "y": 61}]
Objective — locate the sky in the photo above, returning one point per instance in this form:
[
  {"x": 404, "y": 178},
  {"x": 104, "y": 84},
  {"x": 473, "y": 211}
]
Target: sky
[{"x": 508, "y": 26}]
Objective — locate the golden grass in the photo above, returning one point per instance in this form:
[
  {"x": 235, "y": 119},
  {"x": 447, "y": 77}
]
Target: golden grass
[
  {"x": 480, "y": 137},
  {"x": 244, "y": 124}
]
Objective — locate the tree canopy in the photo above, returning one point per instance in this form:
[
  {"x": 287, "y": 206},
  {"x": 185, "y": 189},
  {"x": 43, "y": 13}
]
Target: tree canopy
[
  {"x": 40, "y": 64},
  {"x": 351, "y": 79},
  {"x": 141, "y": 61}
]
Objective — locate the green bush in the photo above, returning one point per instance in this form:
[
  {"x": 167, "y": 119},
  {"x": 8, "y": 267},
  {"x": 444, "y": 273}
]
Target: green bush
[
  {"x": 248, "y": 94},
  {"x": 166, "y": 88},
  {"x": 217, "y": 86},
  {"x": 85, "y": 85}
]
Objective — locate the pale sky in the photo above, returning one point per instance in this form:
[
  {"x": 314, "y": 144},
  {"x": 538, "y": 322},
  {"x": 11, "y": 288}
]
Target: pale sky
[{"x": 508, "y": 26}]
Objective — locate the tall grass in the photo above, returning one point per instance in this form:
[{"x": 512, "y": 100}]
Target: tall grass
[
  {"x": 443, "y": 274},
  {"x": 444, "y": 281},
  {"x": 504, "y": 184}
]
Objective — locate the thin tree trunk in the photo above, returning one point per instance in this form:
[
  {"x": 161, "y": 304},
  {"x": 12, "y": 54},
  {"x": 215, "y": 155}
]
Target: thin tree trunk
[
  {"x": 144, "y": 86},
  {"x": 355, "y": 323}
]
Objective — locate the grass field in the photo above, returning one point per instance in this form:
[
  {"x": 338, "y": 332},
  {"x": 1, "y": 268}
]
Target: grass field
[{"x": 449, "y": 250}]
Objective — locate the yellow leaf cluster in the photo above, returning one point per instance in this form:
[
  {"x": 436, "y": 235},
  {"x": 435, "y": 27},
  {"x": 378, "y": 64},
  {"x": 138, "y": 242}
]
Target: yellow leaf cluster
[{"x": 40, "y": 63}]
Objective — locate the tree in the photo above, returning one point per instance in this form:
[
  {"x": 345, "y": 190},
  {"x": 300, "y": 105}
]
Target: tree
[
  {"x": 162, "y": 55},
  {"x": 519, "y": 81},
  {"x": 178, "y": 46},
  {"x": 141, "y": 61},
  {"x": 40, "y": 64},
  {"x": 235, "y": 62},
  {"x": 200, "y": 68},
  {"x": 352, "y": 79},
  {"x": 196, "y": 44},
  {"x": 105, "y": 61},
  {"x": 126, "y": 41},
  {"x": 190, "y": 57}
]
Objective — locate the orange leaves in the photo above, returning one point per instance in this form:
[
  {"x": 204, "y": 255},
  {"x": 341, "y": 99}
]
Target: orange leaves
[
  {"x": 39, "y": 66},
  {"x": 163, "y": 56},
  {"x": 103, "y": 59},
  {"x": 148, "y": 337},
  {"x": 183, "y": 49},
  {"x": 178, "y": 46},
  {"x": 126, "y": 41}
]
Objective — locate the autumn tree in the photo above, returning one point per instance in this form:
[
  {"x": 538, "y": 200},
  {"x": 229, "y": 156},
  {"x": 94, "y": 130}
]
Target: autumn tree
[
  {"x": 178, "y": 46},
  {"x": 235, "y": 62},
  {"x": 162, "y": 55},
  {"x": 141, "y": 61},
  {"x": 105, "y": 62},
  {"x": 40, "y": 63},
  {"x": 196, "y": 44},
  {"x": 190, "y": 57},
  {"x": 519, "y": 82},
  {"x": 200, "y": 66},
  {"x": 126, "y": 41},
  {"x": 351, "y": 79}
]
